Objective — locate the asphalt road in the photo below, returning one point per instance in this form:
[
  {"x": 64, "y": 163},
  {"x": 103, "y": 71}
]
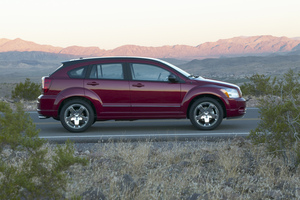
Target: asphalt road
[{"x": 147, "y": 129}]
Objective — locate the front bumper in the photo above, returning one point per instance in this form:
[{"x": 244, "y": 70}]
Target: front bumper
[{"x": 237, "y": 108}]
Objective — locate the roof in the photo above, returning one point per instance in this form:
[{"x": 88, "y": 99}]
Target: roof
[{"x": 79, "y": 60}]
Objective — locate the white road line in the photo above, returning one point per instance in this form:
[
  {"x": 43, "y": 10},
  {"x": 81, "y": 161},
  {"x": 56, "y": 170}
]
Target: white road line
[{"x": 140, "y": 135}]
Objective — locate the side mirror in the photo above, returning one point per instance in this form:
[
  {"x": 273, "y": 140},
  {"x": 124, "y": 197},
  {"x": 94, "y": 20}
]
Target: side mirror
[{"x": 172, "y": 78}]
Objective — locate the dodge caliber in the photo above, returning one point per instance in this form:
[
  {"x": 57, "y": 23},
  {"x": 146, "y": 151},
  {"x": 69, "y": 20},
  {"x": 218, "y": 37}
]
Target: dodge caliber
[{"x": 83, "y": 91}]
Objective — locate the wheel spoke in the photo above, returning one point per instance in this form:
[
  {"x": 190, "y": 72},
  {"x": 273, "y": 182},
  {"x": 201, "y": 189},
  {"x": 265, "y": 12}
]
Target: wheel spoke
[
  {"x": 214, "y": 116},
  {"x": 85, "y": 119},
  {"x": 80, "y": 110},
  {"x": 211, "y": 108},
  {"x": 72, "y": 111},
  {"x": 69, "y": 119},
  {"x": 198, "y": 117},
  {"x": 201, "y": 109}
]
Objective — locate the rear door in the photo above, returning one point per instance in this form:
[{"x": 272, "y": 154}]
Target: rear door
[
  {"x": 152, "y": 94},
  {"x": 108, "y": 82}
]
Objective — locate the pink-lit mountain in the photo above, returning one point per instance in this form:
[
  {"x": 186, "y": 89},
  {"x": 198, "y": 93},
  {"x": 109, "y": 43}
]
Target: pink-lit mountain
[{"x": 237, "y": 46}]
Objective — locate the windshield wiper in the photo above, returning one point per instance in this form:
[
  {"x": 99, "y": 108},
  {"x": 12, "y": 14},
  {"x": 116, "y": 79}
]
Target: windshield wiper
[{"x": 192, "y": 75}]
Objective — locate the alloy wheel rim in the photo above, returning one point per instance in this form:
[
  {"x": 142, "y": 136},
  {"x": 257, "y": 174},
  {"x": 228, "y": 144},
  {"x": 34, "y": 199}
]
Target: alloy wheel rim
[
  {"x": 76, "y": 116},
  {"x": 206, "y": 114}
]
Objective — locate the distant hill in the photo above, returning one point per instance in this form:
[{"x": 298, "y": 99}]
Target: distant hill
[
  {"x": 237, "y": 68},
  {"x": 237, "y": 46},
  {"x": 230, "y": 59},
  {"x": 16, "y": 66}
]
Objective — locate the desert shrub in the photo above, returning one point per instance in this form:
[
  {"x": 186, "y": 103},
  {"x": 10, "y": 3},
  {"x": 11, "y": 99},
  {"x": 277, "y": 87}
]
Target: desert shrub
[
  {"x": 28, "y": 169},
  {"x": 279, "y": 127},
  {"x": 27, "y": 90},
  {"x": 258, "y": 85}
]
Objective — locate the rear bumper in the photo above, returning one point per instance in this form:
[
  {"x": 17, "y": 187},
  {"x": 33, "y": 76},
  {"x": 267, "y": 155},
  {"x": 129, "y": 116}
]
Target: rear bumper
[
  {"x": 45, "y": 107},
  {"x": 237, "y": 108}
]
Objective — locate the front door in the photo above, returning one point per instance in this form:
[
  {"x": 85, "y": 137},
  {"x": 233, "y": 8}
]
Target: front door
[{"x": 152, "y": 94}]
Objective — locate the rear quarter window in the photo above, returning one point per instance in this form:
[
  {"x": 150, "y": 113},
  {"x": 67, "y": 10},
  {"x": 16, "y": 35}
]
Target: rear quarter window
[{"x": 78, "y": 72}]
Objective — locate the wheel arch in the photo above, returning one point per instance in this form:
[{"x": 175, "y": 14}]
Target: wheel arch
[
  {"x": 209, "y": 96},
  {"x": 77, "y": 97}
]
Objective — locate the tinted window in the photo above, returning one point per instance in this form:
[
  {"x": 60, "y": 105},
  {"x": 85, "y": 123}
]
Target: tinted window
[
  {"x": 149, "y": 73},
  {"x": 107, "y": 71},
  {"x": 77, "y": 73}
]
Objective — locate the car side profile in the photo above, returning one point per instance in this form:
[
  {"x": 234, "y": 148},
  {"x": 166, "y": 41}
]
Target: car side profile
[{"x": 83, "y": 91}]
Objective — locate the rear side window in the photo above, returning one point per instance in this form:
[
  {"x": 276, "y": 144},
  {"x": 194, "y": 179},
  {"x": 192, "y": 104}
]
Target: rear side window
[
  {"x": 107, "y": 71},
  {"x": 78, "y": 72}
]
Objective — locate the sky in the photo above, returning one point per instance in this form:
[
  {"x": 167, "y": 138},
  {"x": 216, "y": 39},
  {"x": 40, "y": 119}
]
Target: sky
[{"x": 109, "y": 24}]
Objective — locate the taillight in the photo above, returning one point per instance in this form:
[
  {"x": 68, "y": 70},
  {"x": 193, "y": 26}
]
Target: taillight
[{"x": 46, "y": 82}]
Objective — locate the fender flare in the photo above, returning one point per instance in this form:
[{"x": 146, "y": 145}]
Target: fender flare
[
  {"x": 201, "y": 91},
  {"x": 78, "y": 92}
]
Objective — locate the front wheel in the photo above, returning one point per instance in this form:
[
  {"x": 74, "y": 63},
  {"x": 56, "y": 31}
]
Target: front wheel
[
  {"x": 206, "y": 113},
  {"x": 76, "y": 115}
]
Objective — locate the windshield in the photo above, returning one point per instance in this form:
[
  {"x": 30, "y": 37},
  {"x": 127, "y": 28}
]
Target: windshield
[
  {"x": 181, "y": 71},
  {"x": 186, "y": 74}
]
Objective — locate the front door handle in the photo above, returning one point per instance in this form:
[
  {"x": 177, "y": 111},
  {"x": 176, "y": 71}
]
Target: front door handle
[{"x": 138, "y": 85}]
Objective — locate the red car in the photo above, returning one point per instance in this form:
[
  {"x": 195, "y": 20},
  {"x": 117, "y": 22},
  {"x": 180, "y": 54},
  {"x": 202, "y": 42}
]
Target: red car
[{"x": 83, "y": 91}]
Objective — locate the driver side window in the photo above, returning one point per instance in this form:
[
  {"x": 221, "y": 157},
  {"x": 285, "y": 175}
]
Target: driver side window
[{"x": 144, "y": 72}]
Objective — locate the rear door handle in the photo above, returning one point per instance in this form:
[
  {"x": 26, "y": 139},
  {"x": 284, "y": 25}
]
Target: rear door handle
[
  {"x": 92, "y": 83},
  {"x": 138, "y": 85}
]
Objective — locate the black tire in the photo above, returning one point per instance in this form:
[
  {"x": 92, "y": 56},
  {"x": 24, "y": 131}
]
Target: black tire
[
  {"x": 206, "y": 113},
  {"x": 77, "y": 115}
]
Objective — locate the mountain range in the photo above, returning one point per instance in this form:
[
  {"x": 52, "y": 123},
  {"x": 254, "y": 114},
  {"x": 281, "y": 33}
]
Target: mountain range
[
  {"x": 231, "y": 60},
  {"x": 233, "y": 47}
]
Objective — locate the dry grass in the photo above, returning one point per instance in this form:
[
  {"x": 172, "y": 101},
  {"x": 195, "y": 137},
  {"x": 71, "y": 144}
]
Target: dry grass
[
  {"x": 182, "y": 170},
  {"x": 176, "y": 170}
]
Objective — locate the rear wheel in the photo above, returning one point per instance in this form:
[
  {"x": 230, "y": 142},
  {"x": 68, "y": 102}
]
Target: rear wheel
[
  {"x": 206, "y": 113},
  {"x": 76, "y": 115}
]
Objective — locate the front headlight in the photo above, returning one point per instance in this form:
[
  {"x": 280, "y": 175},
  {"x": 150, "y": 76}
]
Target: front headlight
[{"x": 230, "y": 93}]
